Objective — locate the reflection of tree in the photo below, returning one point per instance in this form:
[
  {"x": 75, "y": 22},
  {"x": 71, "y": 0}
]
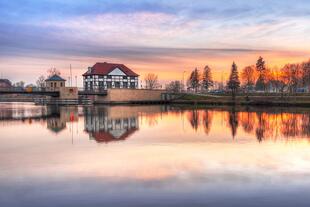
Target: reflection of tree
[
  {"x": 290, "y": 126},
  {"x": 194, "y": 119},
  {"x": 305, "y": 126},
  {"x": 233, "y": 122},
  {"x": 207, "y": 120},
  {"x": 260, "y": 129},
  {"x": 272, "y": 125},
  {"x": 267, "y": 126},
  {"x": 152, "y": 119},
  {"x": 248, "y": 121}
]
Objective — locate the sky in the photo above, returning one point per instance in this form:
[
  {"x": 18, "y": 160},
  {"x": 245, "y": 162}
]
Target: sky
[{"x": 169, "y": 38}]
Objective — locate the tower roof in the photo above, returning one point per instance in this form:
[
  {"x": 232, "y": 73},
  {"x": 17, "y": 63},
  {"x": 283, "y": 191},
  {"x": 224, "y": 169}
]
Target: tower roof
[{"x": 55, "y": 78}]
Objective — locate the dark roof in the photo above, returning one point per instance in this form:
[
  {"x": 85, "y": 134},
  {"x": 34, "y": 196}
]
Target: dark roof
[
  {"x": 55, "y": 78},
  {"x": 6, "y": 81},
  {"x": 105, "y": 68}
]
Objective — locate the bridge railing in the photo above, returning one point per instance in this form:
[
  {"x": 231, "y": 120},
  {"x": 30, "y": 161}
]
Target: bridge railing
[{"x": 21, "y": 89}]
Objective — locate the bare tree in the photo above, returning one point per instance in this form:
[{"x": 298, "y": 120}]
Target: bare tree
[
  {"x": 174, "y": 86},
  {"x": 53, "y": 71},
  {"x": 306, "y": 73},
  {"x": 20, "y": 84},
  {"x": 40, "y": 81},
  {"x": 151, "y": 81},
  {"x": 248, "y": 77},
  {"x": 291, "y": 75}
]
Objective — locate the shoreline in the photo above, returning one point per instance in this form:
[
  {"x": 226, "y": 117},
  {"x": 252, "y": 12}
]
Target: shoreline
[{"x": 193, "y": 99}]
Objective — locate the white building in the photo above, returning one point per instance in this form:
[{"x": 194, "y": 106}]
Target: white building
[{"x": 109, "y": 75}]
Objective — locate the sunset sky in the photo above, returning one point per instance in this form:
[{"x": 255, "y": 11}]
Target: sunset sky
[{"x": 158, "y": 36}]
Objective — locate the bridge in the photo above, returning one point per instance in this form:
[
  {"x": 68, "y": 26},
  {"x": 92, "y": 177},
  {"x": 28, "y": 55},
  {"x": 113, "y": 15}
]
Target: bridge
[{"x": 44, "y": 92}]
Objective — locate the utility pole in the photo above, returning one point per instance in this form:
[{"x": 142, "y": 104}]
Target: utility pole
[{"x": 70, "y": 76}]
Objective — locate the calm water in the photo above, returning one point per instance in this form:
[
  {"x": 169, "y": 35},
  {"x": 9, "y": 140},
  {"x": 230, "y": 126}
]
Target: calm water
[{"x": 153, "y": 156}]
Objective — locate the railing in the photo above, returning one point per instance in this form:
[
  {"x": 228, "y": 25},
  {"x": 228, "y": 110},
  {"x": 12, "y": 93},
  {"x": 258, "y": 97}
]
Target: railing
[
  {"x": 21, "y": 89},
  {"x": 29, "y": 90}
]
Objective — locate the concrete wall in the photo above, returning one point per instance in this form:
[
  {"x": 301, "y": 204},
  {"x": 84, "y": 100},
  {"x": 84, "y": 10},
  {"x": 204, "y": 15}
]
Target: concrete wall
[
  {"x": 130, "y": 95},
  {"x": 68, "y": 93}
]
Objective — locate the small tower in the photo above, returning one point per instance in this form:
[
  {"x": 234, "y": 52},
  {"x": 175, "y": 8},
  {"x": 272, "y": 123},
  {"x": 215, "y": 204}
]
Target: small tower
[{"x": 55, "y": 83}]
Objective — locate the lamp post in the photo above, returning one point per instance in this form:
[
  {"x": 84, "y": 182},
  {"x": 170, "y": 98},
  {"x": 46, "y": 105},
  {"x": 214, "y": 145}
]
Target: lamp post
[{"x": 183, "y": 84}]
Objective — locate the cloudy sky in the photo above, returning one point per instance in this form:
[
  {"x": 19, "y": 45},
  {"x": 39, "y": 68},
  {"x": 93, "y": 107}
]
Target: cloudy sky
[{"x": 159, "y": 36}]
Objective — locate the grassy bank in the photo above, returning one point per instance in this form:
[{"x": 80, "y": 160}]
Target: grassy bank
[{"x": 254, "y": 100}]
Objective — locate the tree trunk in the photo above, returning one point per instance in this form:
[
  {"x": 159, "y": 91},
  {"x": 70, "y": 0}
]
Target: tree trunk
[{"x": 233, "y": 95}]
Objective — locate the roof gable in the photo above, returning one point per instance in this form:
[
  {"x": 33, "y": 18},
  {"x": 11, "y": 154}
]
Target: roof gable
[{"x": 117, "y": 71}]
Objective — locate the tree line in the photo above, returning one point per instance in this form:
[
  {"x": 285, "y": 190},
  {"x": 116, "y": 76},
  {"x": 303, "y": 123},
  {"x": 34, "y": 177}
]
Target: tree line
[{"x": 258, "y": 77}]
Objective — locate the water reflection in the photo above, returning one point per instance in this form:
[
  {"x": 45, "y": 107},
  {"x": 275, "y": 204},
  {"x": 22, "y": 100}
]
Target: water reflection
[
  {"x": 161, "y": 154},
  {"x": 106, "y": 125},
  {"x": 233, "y": 121},
  {"x": 109, "y": 124},
  {"x": 58, "y": 117},
  {"x": 273, "y": 125},
  {"x": 207, "y": 120},
  {"x": 264, "y": 124}
]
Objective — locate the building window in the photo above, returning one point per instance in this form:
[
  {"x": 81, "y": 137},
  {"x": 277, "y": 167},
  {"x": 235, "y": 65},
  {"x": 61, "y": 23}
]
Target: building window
[
  {"x": 117, "y": 84},
  {"x": 125, "y": 85},
  {"x": 132, "y": 85},
  {"x": 109, "y": 85}
]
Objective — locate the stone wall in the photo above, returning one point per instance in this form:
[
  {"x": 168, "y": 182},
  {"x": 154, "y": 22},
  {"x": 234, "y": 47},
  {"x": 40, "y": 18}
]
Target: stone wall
[
  {"x": 68, "y": 93},
  {"x": 130, "y": 95}
]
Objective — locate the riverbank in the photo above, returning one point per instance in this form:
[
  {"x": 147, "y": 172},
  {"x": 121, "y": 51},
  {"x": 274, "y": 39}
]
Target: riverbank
[
  {"x": 267, "y": 100},
  {"x": 251, "y": 100}
]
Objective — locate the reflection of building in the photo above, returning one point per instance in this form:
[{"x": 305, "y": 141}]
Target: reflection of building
[
  {"x": 56, "y": 124},
  {"x": 108, "y": 75},
  {"x": 103, "y": 127},
  {"x": 60, "y": 117}
]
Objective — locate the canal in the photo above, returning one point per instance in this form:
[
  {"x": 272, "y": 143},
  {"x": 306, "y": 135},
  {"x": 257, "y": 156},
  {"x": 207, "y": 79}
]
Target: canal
[{"x": 153, "y": 156}]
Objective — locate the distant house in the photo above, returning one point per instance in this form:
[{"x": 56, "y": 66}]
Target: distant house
[
  {"x": 109, "y": 75},
  {"x": 54, "y": 83},
  {"x": 5, "y": 83}
]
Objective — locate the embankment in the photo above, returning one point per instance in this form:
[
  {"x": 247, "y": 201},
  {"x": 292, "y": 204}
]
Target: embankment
[{"x": 252, "y": 100}]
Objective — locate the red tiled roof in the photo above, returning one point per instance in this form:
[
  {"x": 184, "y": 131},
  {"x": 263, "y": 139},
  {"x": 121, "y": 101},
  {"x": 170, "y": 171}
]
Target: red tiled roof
[
  {"x": 105, "y": 68},
  {"x": 105, "y": 137}
]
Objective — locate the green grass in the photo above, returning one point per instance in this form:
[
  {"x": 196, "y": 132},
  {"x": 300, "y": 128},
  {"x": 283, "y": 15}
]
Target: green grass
[{"x": 243, "y": 100}]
